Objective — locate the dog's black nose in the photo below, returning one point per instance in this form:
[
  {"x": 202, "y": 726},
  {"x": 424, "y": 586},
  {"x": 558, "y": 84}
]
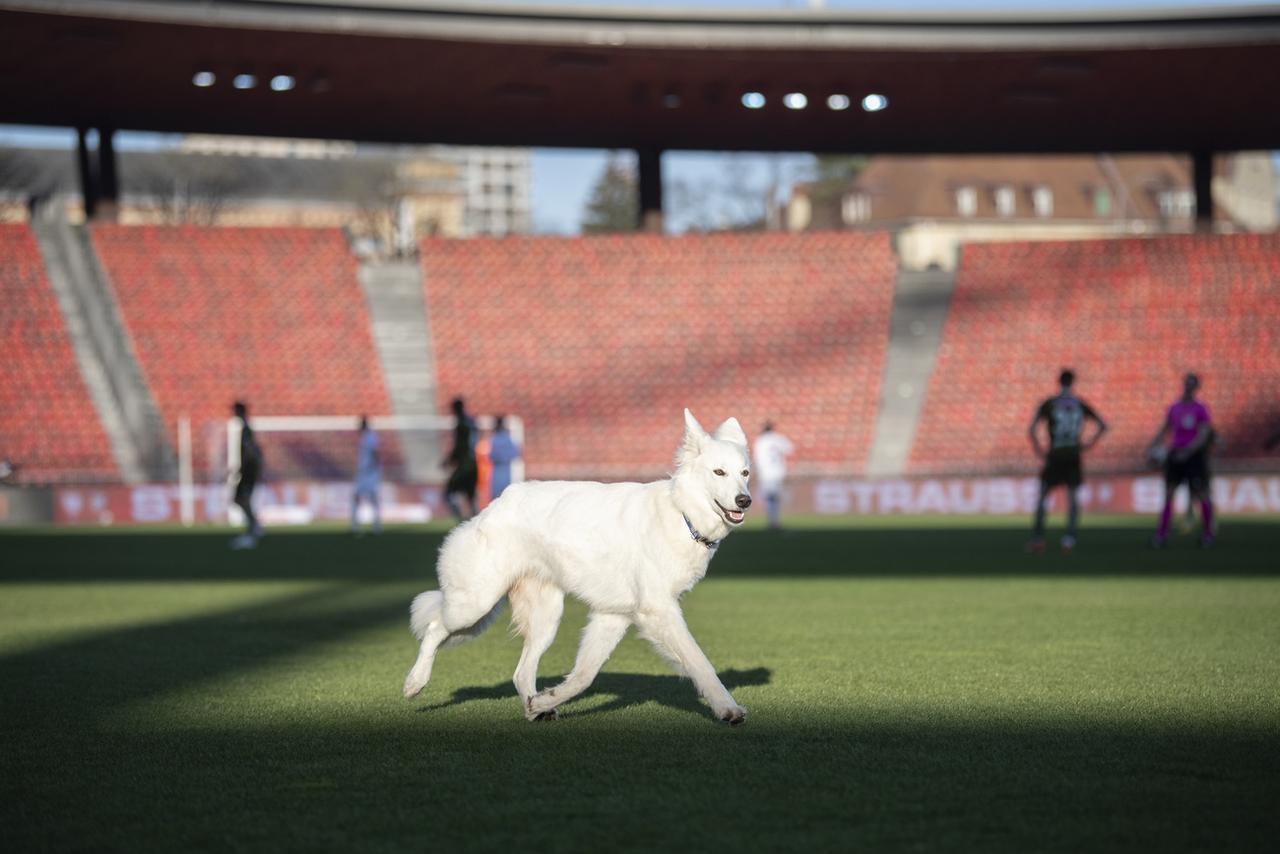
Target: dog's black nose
[{"x": 743, "y": 501}]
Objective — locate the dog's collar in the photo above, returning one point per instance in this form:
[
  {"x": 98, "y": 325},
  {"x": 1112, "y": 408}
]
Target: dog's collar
[{"x": 698, "y": 538}]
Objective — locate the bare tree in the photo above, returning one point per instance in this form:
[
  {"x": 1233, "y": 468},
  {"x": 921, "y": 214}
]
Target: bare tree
[
  {"x": 183, "y": 189},
  {"x": 26, "y": 176},
  {"x": 378, "y": 193},
  {"x": 15, "y": 171},
  {"x": 737, "y": 199}
]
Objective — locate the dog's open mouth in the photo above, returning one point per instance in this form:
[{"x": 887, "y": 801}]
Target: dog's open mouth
[{"x": 733, "y": 517}]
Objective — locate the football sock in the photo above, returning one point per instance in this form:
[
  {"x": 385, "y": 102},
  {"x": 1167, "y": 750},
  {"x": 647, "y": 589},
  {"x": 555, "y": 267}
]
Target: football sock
[
  {"x": 1037, "y": 530},
  {"x": 1206, "y": 513}
]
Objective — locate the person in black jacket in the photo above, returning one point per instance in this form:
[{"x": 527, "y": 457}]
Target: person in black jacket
[
  {"x": 247, "y": 478},
  {"x": 462, "y": 461}
]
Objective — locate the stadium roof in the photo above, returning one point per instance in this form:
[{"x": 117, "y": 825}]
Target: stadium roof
[{"x": 395, "y": 70}]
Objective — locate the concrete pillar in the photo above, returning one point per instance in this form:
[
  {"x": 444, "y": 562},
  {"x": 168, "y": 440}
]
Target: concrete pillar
[
  {"x": 84, "y": 168},
  {"x": 650, "y": 167},
  {"x": 108, "y": 207},
  {"x": 1202, "y": 179}
]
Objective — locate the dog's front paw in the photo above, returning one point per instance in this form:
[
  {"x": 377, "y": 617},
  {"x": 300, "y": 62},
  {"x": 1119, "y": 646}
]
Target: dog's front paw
[
  {"x": 732, "y": 715},
  {"x": 412, "y": 687},
  {"x": 539, "y": 705}
]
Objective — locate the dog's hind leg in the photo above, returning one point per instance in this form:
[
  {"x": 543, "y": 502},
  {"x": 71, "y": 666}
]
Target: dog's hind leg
[
  {"x": 454, "y": 617},
  {"x": 420, "y": 674},
  {"x": 536, "y": 608},
  {"x": 599, "y": 639}
]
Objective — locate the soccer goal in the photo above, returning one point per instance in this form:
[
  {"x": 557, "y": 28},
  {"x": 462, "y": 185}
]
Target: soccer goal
[{"x": 321, "y": 450}]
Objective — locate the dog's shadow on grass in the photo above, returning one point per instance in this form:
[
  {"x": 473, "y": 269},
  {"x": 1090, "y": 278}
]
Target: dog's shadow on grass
[{"x": 627, "y": 689}]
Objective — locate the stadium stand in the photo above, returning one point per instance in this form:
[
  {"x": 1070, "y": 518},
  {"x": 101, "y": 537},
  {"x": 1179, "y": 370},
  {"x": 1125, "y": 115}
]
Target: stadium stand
[
  {"x": 1130, "y": 316},
  {"x": 600, "y": 342},
  {"x": 274, "y": 316},
  {"x": 48, "y": 425}
]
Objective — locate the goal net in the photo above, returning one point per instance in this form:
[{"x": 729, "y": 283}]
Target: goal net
[{"x": 309, "y": 463}]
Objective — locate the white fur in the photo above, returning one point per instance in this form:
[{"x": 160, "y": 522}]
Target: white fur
[{"x": 622, "y": 548}]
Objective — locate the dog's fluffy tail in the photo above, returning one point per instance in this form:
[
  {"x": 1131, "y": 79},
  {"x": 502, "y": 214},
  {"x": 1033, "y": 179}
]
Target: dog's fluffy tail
[{"x": 426, "y": 608}]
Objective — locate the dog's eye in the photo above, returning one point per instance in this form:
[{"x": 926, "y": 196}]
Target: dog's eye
[
  {"x": 719, "y": 472},
  {"x": 746, "y": 473}
]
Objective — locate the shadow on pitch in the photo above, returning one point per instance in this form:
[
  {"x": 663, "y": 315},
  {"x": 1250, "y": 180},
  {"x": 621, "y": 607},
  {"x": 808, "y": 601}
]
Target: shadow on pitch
[
  {"x": 86, "y": 678},
  {"x": 1243, "y": 549},
  {"x": 626, "y": 690}
]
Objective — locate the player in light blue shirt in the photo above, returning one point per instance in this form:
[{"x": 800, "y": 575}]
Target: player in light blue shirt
[
  {"x": 368, "y": 477},
  {"x": 503, "y": 451}
]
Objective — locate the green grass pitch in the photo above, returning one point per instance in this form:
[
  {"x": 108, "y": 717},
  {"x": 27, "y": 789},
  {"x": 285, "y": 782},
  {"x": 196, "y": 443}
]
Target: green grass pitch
[{"x": 910, "y": 686}]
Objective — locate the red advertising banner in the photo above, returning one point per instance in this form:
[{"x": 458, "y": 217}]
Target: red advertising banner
[
  {"x": 301, "y": 503},
  {"x": 292, "y": 503},
  {"x": 1005, "y": 495}
]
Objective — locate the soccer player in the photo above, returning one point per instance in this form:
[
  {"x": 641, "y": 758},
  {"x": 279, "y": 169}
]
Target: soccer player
[
  {"x": 1065, "y": 415},
  {"x": 462, "y": 460},
  {"x": 1188, "y": 428},
  {"x": 247, "y": 480},
  {"x": 503, "y": 451},
  {"x": 368, "y": 477},
  {"x": 1188, "y": 523},
  {"x": 770, "y": 451}
]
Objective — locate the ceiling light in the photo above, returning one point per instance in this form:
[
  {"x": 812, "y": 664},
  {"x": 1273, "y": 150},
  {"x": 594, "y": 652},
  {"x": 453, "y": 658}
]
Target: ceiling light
[
  {"x": 795, "y": 101},
  {"x": 204, "y": 79},
  {"x": 874, "y": 103},
  {"x": 753, "y": 100},
  {"x": 244, "y": 81},
  {"x": 837, "y": 102},
  {"x": 281, "y": 83}
]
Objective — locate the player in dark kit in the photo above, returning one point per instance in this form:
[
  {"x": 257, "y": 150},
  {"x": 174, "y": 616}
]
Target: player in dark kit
[
  {"x": 462, "y": 459},
  {"x": 1065, "y": 415},
  {"x": 250, "y": 471}
]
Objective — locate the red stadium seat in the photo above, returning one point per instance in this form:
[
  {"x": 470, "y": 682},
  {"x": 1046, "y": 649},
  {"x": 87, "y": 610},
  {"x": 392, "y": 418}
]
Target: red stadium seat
[
  {"x": 274, "y": 316},
  {"x": 1130, "y": 317},
  {"x": 599, "y": 342},
  {"x": 48, "y": 424}
]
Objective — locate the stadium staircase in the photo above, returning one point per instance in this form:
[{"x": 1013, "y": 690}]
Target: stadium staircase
[
  {"x": 402, "y": 338},
  {"x": 920, "y": 303},
  {"x": 124, "y": 404}
]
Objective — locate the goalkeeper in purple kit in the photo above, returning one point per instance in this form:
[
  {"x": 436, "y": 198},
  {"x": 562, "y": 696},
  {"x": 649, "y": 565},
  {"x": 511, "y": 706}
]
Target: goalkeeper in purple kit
[{"x": 1189, "y": 431}]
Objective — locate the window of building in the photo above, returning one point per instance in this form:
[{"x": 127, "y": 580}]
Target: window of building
[
  {"x": 1006, "y": 201},
  {"x": 1042, "y": 201},
  {"x": 855, "y": 208},
  {"x": 966, "y": 201},
  {"x": 1177, "y": 204},
  {"x": 1101, "y": 202}
]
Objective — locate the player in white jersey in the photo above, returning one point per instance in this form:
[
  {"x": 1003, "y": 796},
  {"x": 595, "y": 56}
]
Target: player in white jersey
[
  {"x": 368, "y": 476},
  {"x": 770, "y": 451}
]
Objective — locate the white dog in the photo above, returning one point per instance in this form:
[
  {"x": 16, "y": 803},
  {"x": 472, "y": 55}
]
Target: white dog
[{"x": 629, "y": 550}]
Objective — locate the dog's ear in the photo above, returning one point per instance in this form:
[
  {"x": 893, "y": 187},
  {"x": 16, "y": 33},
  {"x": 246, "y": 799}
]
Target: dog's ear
[
  {"x": 731, "y": 431},
  {"x": 691, "y": 425},
  {"x": 691, "y": 444}
]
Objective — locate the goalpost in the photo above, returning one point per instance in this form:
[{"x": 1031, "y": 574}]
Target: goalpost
[{"x": 322, "y": 449}]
